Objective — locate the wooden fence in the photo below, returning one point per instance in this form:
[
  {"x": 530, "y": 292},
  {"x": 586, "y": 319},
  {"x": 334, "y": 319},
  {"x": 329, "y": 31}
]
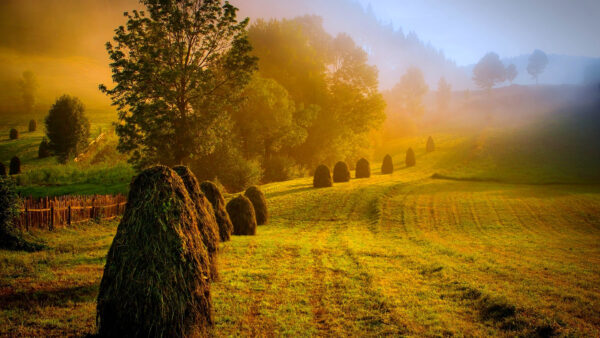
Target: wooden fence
[{"x": 48, "y": 213}]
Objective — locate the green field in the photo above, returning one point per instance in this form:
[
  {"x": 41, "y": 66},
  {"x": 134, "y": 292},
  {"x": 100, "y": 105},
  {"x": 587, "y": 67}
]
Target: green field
[{"x": 400, "y": 254}]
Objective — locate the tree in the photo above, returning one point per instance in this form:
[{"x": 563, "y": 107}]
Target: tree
[
  {"x": 511, "y": 73},
  {"x": 537, "y": 63},
  {"x": 488, "y": 72},
  {"x": 410, "y": 92},
  {"x": 67, "y": 128},
  {"x": 443, "y": 95},
  {"x": 28, "y": 85},
  {"x": 178, "y": 66}
]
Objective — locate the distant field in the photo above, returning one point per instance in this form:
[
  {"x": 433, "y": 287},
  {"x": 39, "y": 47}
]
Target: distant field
[{"x": 402, "y": 254}]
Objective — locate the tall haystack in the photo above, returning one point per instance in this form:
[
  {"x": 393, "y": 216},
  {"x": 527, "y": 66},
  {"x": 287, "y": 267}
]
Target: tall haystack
[
  {"x": 363, "y": 169},
  {"x": 322, "y": 178},
  {"x": 32, "y": 126},
  {"x": 341, "y": 173},
  {"x": 214, "y": 196},
  {"x": 411, "y": 161},
  {"x": 15, "y": 166},
  {"x": 256, "y": 196},
  {"x": 155, "y": 280},
  {"x": 13, "y": 134},
  {"x": 430, "y": 145},
  {"x": 242, "y": 216},
  {"x": 387, "y": 167},
  {"x": 207, "y": 224}
]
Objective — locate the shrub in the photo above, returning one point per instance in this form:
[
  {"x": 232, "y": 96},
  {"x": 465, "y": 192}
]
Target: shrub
[
  {"x": 67, "y": 127},
  {"x": 387, "y": 167},
  {"x": 430, "y": 145},
  {"x": 10, "y": 208},
  {"x": 2, "y": 170},
  {"x": 363, "y": 169},
  {"x": 410, "y": 158},
  {"x": 322, "y": 178},
  {"x": 214, "y": 196},
  {"x": 14, "y": 134},
  {"x": 260, "y": 204},
  {"x": 231, "y": 169},
  {"x": 32, "y": 126},
  {"x": 44, "y": 149},
  {"x": 207, "y": 224},
  {"x": 279, "y": 168},
  {"x": 341, "y": 173},
  {"x": 242, "y": 216},
  {"x": 15, "y": 166},
  {"x": 155, "y": 281}
]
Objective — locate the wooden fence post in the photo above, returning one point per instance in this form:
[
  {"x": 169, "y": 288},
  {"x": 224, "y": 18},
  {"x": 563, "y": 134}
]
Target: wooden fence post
[
  {"x": 52, "y": 216},
  {"x": 26, "y": 218},
  {"x": 69, "y": 216}
]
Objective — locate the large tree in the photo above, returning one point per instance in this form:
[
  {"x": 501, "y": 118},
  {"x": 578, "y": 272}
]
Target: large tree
[
  {"x": 489, "y": 71},
  {"x": 178, "y": 67},
  {"x": 28, "y": 85},
  {"x": 511, "y": 73},
  {"x": 537, "y": 63},
  {"x": 410, "y": 92},
  {"x": 67, "y": 127}
]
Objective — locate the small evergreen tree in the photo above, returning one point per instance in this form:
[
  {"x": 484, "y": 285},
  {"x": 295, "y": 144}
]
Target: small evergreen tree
[
  {"x": 14, "y": 134},
  {"x": 32, "y": 126},
  {"x": 67, "y": 127},
  {"x": 15, "y": 166},
  {"x": 430, "y": 145},
  {"x": 387, "y": 167},
  {"x": 410, "y": 158}
]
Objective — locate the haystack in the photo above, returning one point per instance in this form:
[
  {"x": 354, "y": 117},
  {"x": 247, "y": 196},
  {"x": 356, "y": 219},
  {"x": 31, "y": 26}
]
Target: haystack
[
  {"x": 341, "y": 173},
  {"x": 155, "y": 282},
  {"x": 207, "y": 224},
  {"x": 14, "y": 134},
  {"x": 363, "y": 169},
  {"x": 32, "y": 126},
  {"x": 322, "y": 178},
  {"x": 411, "y": 161},
  {"x": 430, "y": 145},
  {"x": 242, "y": 216},
  {"x": 260, "y": 204},
  {"x": 214, "y": 196},
  {"x": 15, "y": 166},
  {"x": 387, "y": 167}
]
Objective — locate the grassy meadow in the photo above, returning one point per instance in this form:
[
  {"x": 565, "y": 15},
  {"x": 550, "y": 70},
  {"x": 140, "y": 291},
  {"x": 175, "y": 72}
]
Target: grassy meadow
[{"x": 403, "y": 254}]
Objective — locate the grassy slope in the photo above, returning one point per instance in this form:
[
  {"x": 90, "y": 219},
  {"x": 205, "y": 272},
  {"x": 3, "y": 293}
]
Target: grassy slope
[{"x": 399, "y": 254}]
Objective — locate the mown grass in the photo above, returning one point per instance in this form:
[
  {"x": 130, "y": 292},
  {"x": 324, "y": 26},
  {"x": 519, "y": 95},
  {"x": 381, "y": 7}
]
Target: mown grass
[{"x": 399, "y": 254}]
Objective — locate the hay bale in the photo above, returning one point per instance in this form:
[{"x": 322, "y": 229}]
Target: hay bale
[
  {"x": 387, "y": 167},
  {"x": 322, "y": 178},
  {"x": 363, "y": 169},
  {"x": 207, "y": 223},
  {"x": 214, "y": 196},
  {"x": 44, "y": 149},
  {"x": 15, "y": 166},
  {"x": 411, "y": 161},
  {"x": 430, "y": 145},
  {"x": 2, "y": 170},
  {"x": 32, "y": 126},
  {"x": 155, "y": 282},
  {"x": 242, "y": 216},
  {"x": 341, "y": 173},
  {"x": 14, "y": 134},
  {"x": 260, "y": 204}
]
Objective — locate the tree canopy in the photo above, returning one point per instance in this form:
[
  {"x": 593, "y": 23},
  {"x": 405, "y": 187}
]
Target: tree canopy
[
  {"x": 489, "y": 71},
  {"x": 67, "y": 127},
  {"x": 537, "y": 64}
]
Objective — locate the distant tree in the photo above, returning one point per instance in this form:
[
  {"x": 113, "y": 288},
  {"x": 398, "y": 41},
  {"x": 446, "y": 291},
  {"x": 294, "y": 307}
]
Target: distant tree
[
  {"x": 14, "y": 134},
  {"x": 32, "y": 126},
  {"x": 15, "y": 166},
  {"x": 410, "y": 92},
  {"x": 537, "y": 63},
  {"x": 44, "y": 149},
  {"x": 443, "y": 95},
  {"x": 178, "y": 66},
  {"x": 28, "y": 85},
  {"x": 411, "y": 160},
  {"x": 511, "y": 73},
  {"x": 67, "y": 128},
  {"x": 488, "y": 72}
]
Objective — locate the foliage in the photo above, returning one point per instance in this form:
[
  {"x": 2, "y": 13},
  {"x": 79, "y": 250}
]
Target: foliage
[
  {"x": 322, "y": 177},
  {"x": 489, "y": 71},
  {"x": 341, "y": 173},
  {"x": 44, "y": 149},
  {"x": 119, "y": 173},
  {"x": 411, "y": 160},
  {"x": 214, "y": 196},
  {"x": 15, "y": 166},
  {"x": 14, "y": 134},
  {"x": 387, "y": 166},
  {"x": 259, "y": 202},
  {"x": 409, "y": 93},
  {"x": 32, "y": 126},
  {"x": 28, "y": 85},
  {"x": 242, "y": 216},
  {"x": 67, "y": 127},
  {"x": 538, "y": 61},
  {"x": 363, "y": 168},
  {"x": 280, "y": 168},
  {"x": 10, "y": 208},
  {"x": 177, "y": 67},
  {"x": 443, "y": 95},
  {"x": 511, "y": 73},
  {"x": 155, "y": 277}
]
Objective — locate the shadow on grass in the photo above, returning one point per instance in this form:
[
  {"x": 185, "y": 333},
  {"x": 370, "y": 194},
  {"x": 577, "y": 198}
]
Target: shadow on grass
[
  {"x": 59, "y": 297},
  {"x": 291, "y": 191}
]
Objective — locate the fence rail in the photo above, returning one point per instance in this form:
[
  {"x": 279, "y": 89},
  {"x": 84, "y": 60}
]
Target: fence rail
[{"x": 48, "y": 213}]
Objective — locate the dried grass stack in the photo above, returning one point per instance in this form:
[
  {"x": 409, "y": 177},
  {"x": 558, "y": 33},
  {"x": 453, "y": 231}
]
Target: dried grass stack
[
  {"x": 214, "y": 196},
  {"x": 256, "y": 196}
]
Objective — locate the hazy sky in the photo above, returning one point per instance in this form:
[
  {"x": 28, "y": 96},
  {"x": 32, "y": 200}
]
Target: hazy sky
[{"x": 467, "y": 29}]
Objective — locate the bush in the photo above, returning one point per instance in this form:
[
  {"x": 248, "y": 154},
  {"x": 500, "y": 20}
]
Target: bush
[
  {"x": 242, "y": 216},
  {"x": 231, "y": 169},
  {"x": 260, "y": 204},
  {"x": 67, "y": 127},
  {"x": 322, "y": 178},
  {"x": 341, "y": 173},
  {"x": 411, "y": 161},
  {"x": 2, "y": 170},
  {"x": 15, "y": 166},
  {"x": 32, "y": 126},
  {"x": 10, "y": 208},
  {"x": 207, "y": 224},
  {"x": 44, "y": 149},
  {"x": 430, "y": 145},
  {"x": 155, "y": 280},
  {"x": 363, "y": 169},
  {"x": 14, "y": 134},
  {"x": 280, "y": 168},
  {"x": 214, "y": 196},
  {"x": 387, "y": 167}
]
